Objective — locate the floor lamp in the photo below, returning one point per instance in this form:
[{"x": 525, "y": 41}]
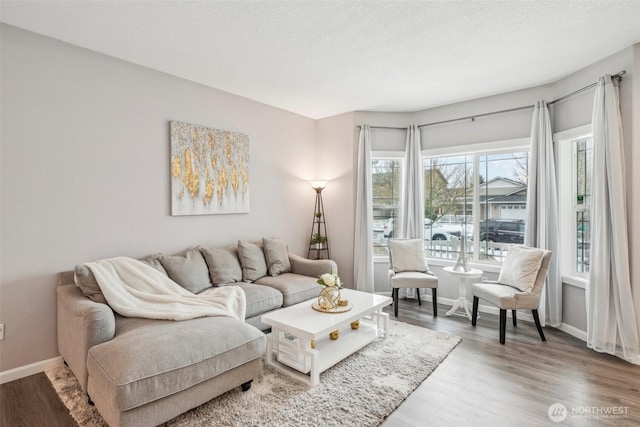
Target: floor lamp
[{"x": 318, "y": 243}]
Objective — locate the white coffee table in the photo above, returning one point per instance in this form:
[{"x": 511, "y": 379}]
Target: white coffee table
[{"x": 296, "y": 329}]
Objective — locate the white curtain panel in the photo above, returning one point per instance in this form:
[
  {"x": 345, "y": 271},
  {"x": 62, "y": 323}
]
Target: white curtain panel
[
  {"x": 411, "y": 216},
  {"x": 542, "y": 211},
  {"x": 611, "y": 317},
  {"x": 411, "y": 224},
  {"x": 363, "y": 247}
]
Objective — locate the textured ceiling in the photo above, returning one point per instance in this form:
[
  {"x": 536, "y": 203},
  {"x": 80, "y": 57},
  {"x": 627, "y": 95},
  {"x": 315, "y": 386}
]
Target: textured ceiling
[{"x": 321, "y": 58}]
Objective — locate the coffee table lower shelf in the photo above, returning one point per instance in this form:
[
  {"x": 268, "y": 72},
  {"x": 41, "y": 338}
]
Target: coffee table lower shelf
[{"x": 296, "y": 357}]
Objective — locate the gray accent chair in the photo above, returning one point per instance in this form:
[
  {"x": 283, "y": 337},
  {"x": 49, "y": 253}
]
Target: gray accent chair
[
  {"x": 421, "y": 278},
  {"x": 507, "y": 297}
]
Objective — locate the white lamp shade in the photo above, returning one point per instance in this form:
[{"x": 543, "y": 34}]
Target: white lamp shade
[{"x": 318, "y": 183}]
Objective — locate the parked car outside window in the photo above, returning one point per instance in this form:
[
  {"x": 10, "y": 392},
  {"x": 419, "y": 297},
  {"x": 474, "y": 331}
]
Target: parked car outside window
[
  {"x": 502, "y": 230},
  {"x": 431, "y": 232}
]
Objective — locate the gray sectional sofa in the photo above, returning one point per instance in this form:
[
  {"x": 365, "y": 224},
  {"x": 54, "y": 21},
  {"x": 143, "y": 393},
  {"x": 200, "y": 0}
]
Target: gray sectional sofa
[{"x": 143, "y": 372}]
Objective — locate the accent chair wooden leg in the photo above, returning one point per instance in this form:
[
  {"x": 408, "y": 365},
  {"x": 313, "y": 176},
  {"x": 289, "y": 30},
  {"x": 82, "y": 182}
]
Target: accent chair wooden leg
[
  {"x": 246, "y": 386},
  {"x": 434, "y": 295},
  {"x": 474, "y": 311},
  {"x": 513, "y": 316},
  {"x": 418, "y": 296},
  {"x": 503, "y": 325},
  {"x": 537, "y": 320},
  {"x": 395, "y": 301}
]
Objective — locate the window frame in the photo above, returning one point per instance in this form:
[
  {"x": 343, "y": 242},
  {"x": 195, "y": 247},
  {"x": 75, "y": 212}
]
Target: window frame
[
  {"x": 564, "y": 145},
  {"x": 389, "y": 155},
  {"x": 476, "y": 150}
]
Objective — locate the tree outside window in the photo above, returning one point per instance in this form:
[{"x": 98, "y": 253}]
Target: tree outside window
[
  {"x": 446, "y": 183},
  {"x": 386, "y": 181},
  {"x": 583, "y": 165}
]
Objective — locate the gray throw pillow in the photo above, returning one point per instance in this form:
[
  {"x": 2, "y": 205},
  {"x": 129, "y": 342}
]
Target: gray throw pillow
[
  {"x": 276, "y": 255},
  {"x": 154, "y": 261},
  {"x": 88, "y": 284},
  {"x": 189, "y": 270},
  {"x": 224, "y": 266},
  {"x": 254, "y": 265}
]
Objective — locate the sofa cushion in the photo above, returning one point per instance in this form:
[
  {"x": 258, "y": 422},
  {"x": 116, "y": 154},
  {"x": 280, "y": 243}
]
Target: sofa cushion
[
  {"x": 251, "y": 256},
  {"x": 276, "y": 255},
  {"x": 294, "y": 287},
  {"x": 189, "y": 270},
  {"x": 224, "y": 266},
  {"x": 260, "y": 299},
  {"x": 150, "y": 359}
]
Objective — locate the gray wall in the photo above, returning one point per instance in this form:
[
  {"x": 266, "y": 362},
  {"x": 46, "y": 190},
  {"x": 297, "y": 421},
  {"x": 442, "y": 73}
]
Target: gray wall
[
  {"x": 483, "y": 129},
  {"x": 85, "y": 174}
]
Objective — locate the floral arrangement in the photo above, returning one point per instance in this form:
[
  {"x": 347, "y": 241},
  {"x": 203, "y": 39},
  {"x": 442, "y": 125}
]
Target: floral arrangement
[{"x": 330, "y": 280}]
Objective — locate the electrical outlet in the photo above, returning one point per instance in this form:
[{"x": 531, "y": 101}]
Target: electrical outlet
[{"x": 1, "y": 331}]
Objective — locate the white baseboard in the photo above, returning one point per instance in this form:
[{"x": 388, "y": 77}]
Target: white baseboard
[
  {"x": 574, "y": 332},
  {"x": 25, "y": 371}
]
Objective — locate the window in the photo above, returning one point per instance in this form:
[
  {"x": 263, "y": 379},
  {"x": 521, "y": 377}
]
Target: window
[
  {"x": 447, "y": 181},
  {"x": 386, "y": 182},
  {"x": 582, "y": 168},
  {"x": 486, "y": 193},
  {"x": 574, "y": 150},
  {"x": 480, "y": 190}
]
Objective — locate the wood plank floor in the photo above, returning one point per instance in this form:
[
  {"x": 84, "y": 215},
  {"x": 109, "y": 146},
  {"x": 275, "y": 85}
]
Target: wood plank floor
[
  {"x": 481, "y": 383},
  {"x": 32, "y": 402},
  {"x": 484, "y": 383}
]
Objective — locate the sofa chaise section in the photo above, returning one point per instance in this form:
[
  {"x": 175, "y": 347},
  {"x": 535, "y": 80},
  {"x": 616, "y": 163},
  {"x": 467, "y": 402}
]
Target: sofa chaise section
[{"x": 150, "y": 360}]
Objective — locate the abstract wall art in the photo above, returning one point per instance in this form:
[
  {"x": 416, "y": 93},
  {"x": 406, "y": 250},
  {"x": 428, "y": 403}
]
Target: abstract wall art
[{"x": 209, "y": 170}]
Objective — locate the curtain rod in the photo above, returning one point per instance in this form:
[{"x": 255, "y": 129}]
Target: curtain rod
[
  {"x": 592, "y": 85},
  {"x": 510, "y": 110}
]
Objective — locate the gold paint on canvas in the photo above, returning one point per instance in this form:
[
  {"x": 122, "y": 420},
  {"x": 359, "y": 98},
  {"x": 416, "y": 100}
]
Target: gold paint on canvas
[{"x": 199, "y": 175}]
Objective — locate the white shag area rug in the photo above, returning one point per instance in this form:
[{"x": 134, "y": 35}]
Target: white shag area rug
[{"x": 359, "y": 391}]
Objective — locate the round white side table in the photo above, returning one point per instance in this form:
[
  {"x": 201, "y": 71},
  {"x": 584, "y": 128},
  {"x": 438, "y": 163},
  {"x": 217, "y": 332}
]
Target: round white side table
[{"x": 462, "y": 301}]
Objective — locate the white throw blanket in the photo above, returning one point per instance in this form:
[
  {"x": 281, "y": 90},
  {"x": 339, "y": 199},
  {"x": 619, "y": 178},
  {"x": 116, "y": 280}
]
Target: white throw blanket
[{"x": 135, "y": 289}]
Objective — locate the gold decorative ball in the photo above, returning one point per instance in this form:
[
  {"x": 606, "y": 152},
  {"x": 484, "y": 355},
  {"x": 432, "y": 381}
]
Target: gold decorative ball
[
  {"x": 355, "y": 325},
  {"x": 334, "y": 335},
  {"x": 313, "y": 343}
]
